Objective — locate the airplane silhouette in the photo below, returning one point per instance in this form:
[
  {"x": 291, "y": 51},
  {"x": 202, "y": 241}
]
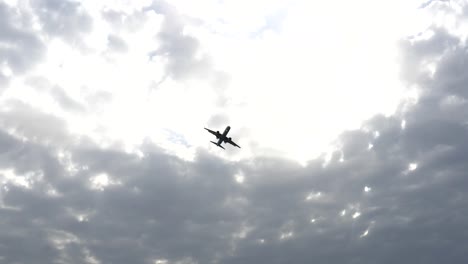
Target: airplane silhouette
[{"x": 222, "y": 137}]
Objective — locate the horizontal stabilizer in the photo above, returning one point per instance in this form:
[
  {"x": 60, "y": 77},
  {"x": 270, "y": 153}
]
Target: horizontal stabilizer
[{"x": 217, "y": 144}]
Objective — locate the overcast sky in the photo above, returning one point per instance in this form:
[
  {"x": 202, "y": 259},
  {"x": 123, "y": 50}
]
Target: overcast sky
[{"x": 352, "y": 117}]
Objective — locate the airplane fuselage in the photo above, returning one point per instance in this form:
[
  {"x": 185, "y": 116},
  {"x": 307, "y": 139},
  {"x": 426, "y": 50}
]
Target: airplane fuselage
[{"x": 222, "y": 137}]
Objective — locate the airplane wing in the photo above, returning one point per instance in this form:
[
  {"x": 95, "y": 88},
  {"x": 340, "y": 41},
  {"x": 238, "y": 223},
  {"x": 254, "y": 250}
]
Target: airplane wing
[
  {"x": 211, "y": 131},
  {"x": 232, "y": 143}
]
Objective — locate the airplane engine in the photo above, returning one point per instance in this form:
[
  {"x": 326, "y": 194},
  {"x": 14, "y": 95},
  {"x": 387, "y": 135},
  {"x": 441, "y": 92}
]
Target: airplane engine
[
  {"x": 229, "y": 138},
  {"x": 217, "y": 134}
]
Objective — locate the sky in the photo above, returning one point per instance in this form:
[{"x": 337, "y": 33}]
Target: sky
[{"x": 351, "y": 117}]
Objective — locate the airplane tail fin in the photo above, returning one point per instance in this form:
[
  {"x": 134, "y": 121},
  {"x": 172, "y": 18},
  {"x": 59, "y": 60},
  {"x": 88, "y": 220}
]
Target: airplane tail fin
[{"x": 217, "y": 144}]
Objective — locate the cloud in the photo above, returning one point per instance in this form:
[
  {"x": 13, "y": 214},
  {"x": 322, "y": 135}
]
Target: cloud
[
  {"x": 128, "y": 20},
  {"x": 154, "y": 206},
  {"x": 87, "y": 102},
  {"x": 66, "y": 19},
  {"x": 162, "y": 207},
  {"x": 65, "y": 101},
  {"x": 179, "y": 48},
  {"x": 218, "y": 120},
  {"x": 27, "y": 122},
  {"x": 184, "y": 57},
  {"x": 20, "y": 47},
  {"x": 116, "y": 43}
]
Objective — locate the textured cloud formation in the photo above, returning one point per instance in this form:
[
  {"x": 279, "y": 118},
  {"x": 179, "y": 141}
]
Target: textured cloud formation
[
  {"x": 181, "y": 52},
  {"x": 393, "y": 191},
  {"x": 20, "y": 47},
  {"x": 65, "y": 19}
]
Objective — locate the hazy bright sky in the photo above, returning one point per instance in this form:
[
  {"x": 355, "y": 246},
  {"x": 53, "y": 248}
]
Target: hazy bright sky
[
  {"x": 351, "y": 116},
  {"x": 288, "y": 76}
]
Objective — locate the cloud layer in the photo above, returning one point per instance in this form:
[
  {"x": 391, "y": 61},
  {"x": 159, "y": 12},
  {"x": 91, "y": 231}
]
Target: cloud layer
[{"x": 391, "y": 191}]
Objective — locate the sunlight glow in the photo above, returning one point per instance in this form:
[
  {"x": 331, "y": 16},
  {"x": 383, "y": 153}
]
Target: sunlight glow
[
  {"x": 89, "y": 257},
  {"x": 239, "y": 178},
  {"x": 376, "y": 134},
  {"x": 26, "y": 180},
  {"x": 367, "y": 189},
  {"x": 365, "y": 233},
  {"x": 11, "y": 2},
  {"x": 65, "y": 158},
  {"x": 52, "y": 192},
  {"x": 313, "y": 196},
  {"x": 101, "y": 181},
  {"x": 80, "y": 216},
  {"x": 452, "y": 101},
  {"x": 242, "y": 232},
  {"x": 356, "y": 215},
  {"x": 10, "y": 177},
  {"x": 412, "y": 166},
  {"x": 306, "y": 104},
  {"x": 60, "y": 239},
  {"x": 6, "y": 71},
  {"x": 286, "y": 235},
  {"x": 275, "y": 72}
]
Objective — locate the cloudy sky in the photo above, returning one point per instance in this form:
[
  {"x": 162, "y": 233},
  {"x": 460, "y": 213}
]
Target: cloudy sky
[{"x": 352, "y": 117}]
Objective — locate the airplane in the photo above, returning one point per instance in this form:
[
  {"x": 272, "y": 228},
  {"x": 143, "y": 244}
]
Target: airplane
[{"x": 222, "y": 137}]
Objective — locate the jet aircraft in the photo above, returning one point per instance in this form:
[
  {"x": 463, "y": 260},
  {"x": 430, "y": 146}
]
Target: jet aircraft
[{"x": 222, "y": 137}]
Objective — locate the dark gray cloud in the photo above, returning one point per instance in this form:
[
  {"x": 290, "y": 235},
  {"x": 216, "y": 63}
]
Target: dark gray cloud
[
  {"x": 418, "y": 54},
  {"x": 148, "y": 213}
]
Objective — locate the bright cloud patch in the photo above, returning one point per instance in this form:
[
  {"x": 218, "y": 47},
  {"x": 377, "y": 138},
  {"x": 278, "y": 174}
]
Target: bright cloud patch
[{"x": 148, "y": 67}]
